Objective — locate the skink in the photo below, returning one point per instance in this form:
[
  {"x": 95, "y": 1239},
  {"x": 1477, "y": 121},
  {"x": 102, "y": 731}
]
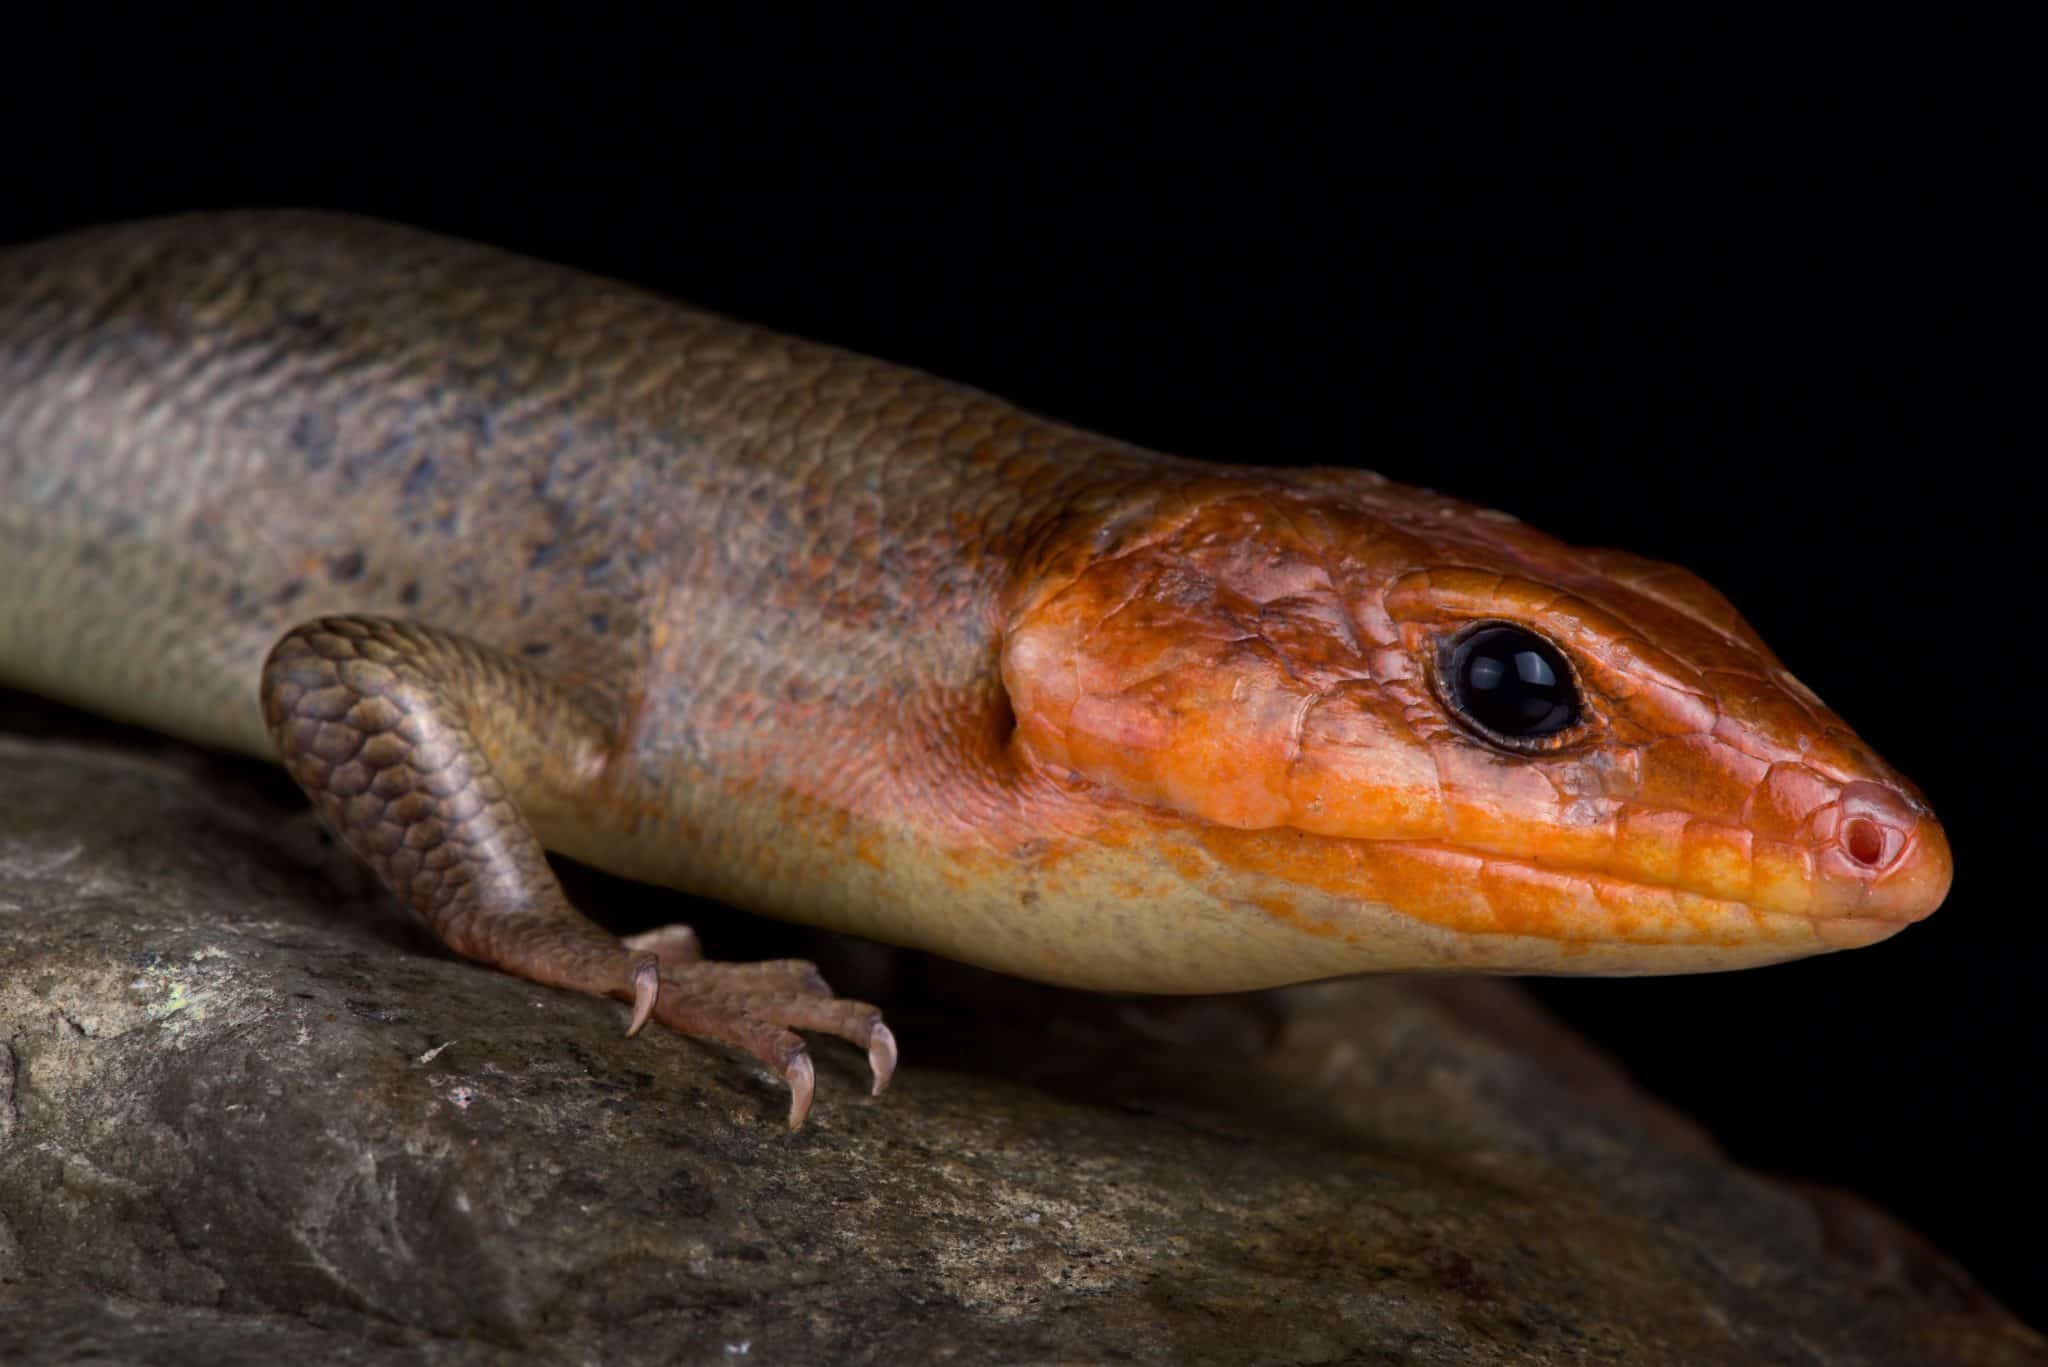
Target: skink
[{"x": 500, "y": 558}]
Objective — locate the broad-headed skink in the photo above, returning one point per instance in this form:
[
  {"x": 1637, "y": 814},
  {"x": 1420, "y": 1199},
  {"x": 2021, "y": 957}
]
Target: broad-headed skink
[{"x": 498, "y": 558}]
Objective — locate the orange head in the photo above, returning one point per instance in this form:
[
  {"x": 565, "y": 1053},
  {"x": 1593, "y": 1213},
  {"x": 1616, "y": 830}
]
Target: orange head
[{"x": 1351, "y": 694}]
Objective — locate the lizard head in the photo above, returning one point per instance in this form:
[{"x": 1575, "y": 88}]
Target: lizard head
[{"x": 1388, "y": 718}]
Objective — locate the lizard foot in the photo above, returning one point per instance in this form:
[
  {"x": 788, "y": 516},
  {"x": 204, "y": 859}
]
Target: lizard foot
[{"x": 755, "y": 1008}]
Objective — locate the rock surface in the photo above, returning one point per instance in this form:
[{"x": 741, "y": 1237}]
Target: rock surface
[{"x": 248, "y": 1113}]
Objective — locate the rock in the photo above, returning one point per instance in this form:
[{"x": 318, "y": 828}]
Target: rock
[{"x": 249, "y": 1113}]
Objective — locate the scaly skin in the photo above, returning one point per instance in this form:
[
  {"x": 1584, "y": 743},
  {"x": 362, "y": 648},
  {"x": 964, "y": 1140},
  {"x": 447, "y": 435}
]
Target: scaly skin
[{"x": 536, "y": 560}]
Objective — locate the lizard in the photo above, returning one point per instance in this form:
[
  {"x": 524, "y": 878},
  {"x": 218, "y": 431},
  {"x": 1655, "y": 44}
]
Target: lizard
[{"x": 500, "y": 558}]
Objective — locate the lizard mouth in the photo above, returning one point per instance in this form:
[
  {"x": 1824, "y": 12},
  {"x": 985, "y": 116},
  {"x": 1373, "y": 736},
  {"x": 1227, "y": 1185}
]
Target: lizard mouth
[{"x": 1488, "y": 894}]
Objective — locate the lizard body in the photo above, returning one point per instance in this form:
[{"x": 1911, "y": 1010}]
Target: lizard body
[{"x": 498, "y": 557}]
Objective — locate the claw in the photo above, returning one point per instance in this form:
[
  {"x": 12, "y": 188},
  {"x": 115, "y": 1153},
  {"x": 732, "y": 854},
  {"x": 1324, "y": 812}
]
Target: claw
[
  {"x": 803, "y": 1081},
  {"x": 646, "y": 992},
  {"x": 881, "y": 1056}
]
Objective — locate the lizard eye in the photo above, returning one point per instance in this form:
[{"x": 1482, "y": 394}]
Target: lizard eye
[{"x": 1509, "y": 685}]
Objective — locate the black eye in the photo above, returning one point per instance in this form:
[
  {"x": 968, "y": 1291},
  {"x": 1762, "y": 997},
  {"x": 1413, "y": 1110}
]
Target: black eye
[{"x": 1511, "y": 685}]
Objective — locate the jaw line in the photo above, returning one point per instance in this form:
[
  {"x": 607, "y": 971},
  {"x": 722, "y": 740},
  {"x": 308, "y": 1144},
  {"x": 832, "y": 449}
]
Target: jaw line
[
  {"x": 1824, "y": 930},
  {"x": 1856, "y": 931}
]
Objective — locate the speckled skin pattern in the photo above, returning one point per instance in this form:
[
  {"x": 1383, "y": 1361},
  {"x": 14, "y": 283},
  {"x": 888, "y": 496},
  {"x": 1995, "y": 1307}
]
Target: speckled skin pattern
[{"x": 548, "y": 561}]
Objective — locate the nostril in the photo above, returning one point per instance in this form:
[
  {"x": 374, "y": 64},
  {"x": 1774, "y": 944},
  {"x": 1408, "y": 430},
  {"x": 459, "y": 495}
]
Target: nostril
[
  {"x": 1864, "y": 840},
  {"x": 1882, "y": 852},
  {"x": 1877, "y": 828}
]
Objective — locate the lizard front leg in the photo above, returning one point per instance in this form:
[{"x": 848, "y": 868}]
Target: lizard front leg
[{"x": 427, "y": 752}]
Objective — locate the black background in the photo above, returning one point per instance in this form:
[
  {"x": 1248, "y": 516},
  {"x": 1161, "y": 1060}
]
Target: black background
[{"x": 1530, "y": 269}]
